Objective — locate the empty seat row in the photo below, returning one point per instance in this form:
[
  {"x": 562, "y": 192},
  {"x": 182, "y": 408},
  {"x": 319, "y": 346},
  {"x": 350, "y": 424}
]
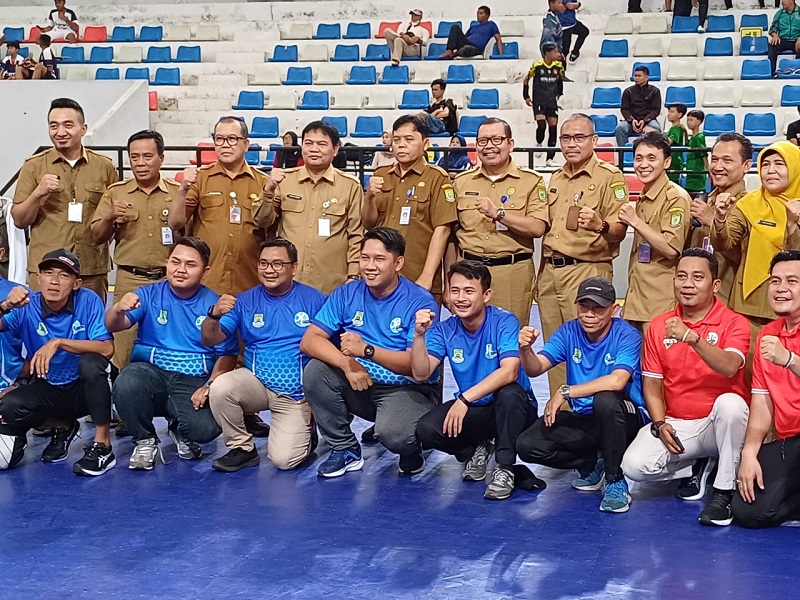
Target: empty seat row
[
  {"x": 755, "y": 124},
  {"x": 363, "y": 31},
  {"x": 391, "y": 75},
  {"x": 373, "y": 52},
  {"x": 661, "y": 24},
  {"x": 752, "y": 46},
  {"x": 163, "y": 76},
  {"x": 130, "y": 54},
  {"x": 713, "y": 69}
]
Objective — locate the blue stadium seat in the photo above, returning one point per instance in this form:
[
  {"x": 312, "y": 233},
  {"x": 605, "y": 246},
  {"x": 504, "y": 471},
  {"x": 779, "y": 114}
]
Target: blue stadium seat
[
  {"x": 167, "y": 76},
  {"x": 265, "y": 127},
  {"x": 717, "y": 124},
  {"x": 101, "y": 55},
  {"x": 789, "y": 68},
  {"x": 158, "y": 54},
  {"x": 358, "y": 31},
  {"x": 24, "y": 52},
  {"x": 73, "y": 55},
  {"x": 122, "y": 34},
  {"x": 460, "y": 74},
  {"x": 754, "y": 46},
  {"x": 790, "y": 95},
  {"x": 363, "y": 76},
  {"x": 339, "y": 122},
  {"x": 14, "y": 34},
  {"x": 686, "y": 95},
  {"x": 510, "y": 52},
  {"x": 759, "y": 124},
  {"x": 469, "y": 125},
  {"x": 299, "y": 76},
  {"x": 188, "y": 54},
  {"x": 685, "y": 24},
  {"x": 759, "y": 20},
  {"x": 614, "y": 49},
  {"x": 720, "y": 24},
  {"x": 151, "y": 33},
  {"x": 604, "y": 125},
  {"x": 376, "y": 52},
  {"x": 719, "y": 46},
  {"x": 443, "y": 29},
  {"x": 756, "y": 69},
  {"x": 250, "y": 101},
  {"x": 328, "y": 31},
  {"x": 269, "y": 158},
  {"x": 253, "y": 154},
  {"x": 435, "y": 51},
  {"x": 106, "y": 74},
  {"x": 654, "y": 67},
  {"x": 314, "y": 101},
  {"x": 367, "y": 127},
  {"x": 485, "y": 99},
  {"x": 284, "y": 54},
  {"x": 627, "y": 157},
  {"x": 137, "y": 73},
  {"x": 414, "y": 99},
  {"x": 395, "y": 75},
  {"x": 607, "y": 97},
  {"x": 345, "y": 53}
]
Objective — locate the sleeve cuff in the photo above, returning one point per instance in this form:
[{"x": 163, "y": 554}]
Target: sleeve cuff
[
  {"x": 549, "y": 357},
  {"x": 509, "y": 354},
  {"x": 652, "y": 375},
  {"x": 322, "y": 326},
  {"x": 760, "y": 391},
  {"x": 740, "y": 353},
  {"x": 437, "y": 355},
  {"x": 627, "y": 368}
]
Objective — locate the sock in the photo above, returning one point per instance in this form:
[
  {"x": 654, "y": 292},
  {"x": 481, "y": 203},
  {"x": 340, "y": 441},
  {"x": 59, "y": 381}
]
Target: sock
[
  {"x": 552, "y": 132},
  {"x": 540, "y": 129}
]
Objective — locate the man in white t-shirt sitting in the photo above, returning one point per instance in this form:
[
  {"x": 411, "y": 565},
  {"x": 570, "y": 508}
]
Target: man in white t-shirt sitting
[
  {"x": 409, "y": 38},
  {"x": 63, "y": 23}
]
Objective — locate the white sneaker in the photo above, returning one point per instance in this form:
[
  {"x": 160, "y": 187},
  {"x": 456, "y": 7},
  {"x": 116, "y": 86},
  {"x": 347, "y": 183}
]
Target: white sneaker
[
  {"x": 551, "y": 163},
  {"x": 538, "y": 153},
  {"x": 701, "y": 29},
  {"x": 144, "y": 455}
]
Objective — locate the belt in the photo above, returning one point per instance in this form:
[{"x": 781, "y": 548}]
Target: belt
[
  {"x": 158, "y": 273},
  {"x": 562, "y": 261},
  {"x": 500, "y": 260}
]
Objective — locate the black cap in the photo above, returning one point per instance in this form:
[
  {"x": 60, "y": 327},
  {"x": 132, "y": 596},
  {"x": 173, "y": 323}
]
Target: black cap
[
  {"x": 597, "y": 289},
  {"x": 62, "y": 258}
]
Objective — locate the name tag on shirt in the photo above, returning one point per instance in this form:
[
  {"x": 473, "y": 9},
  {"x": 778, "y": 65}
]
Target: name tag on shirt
[
  {"x": 644, "y": 253},
  {"x": 75, "y": 212},
  {"x": 166, "y": 236},
  {"x": 236, "y": 215},
  {"x": 405, "y": 215},
  {"x": 767, "y": 223},
  {"x": 324, "y": 227}
]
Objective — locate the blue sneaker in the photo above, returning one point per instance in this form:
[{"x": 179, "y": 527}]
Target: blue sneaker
[
  {"x": 594, "y": 480},
  {"x": 616, "y": 498},
  {"x": 340, "y": 462}
]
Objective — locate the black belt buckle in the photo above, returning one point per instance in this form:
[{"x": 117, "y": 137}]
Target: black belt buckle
[
  {"x": 558, "y": 261},
  {"x": 157, "y": 274}
]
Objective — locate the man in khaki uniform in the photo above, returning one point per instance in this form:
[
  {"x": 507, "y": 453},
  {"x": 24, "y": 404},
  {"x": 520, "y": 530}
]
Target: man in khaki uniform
[
  {"x": 501, "y": 208},
  {"x": 318, "y": 208},
  {"x": 417, "y": 200},
  {"x": 584, "y": 198},
  {"x": 57, "y": 193},
  {"x": 661, "y": 224},
  {"x": 134, "y": 214},
  {"x": 217, "y": 201}
]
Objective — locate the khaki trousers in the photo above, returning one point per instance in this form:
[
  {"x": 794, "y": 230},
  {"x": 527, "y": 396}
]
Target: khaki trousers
[
  {"x": 96, "y": 283},
  {"x": 123, "y": 340},
  {"x": 512, "y": 289},
  {"x": 398, "y": 46}
]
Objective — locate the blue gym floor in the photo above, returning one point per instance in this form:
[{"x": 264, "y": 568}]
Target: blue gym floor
[{"x": 186, "y": 531}]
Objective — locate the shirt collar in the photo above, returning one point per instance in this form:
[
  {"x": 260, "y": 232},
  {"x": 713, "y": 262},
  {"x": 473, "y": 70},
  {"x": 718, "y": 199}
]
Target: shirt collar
[
  {"x": 56, "y": 157},
  {"x": 588, "y": 168},
  {"x": 216, "y": 169},
  {"x": 657, "y": 188},
  {"x": 736, "y": 189},
  {"x": 329, "y": 174},
  {"x": 416, "y": 167},
  {"x": 511, "y": 171},
  {"x": 68, "y": 307},
  {"x": 714, "y": 316}
]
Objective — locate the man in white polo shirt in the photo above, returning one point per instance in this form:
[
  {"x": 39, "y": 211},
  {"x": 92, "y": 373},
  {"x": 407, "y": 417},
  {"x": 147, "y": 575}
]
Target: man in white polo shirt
[{"x": 409, "y": 38}]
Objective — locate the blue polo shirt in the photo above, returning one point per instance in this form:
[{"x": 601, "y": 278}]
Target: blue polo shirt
[
  {"x": 11, "y": 360},
  {"x": 568, "y": 17},
  {"x": 169, "y": 331},
  {"x": 387, "y": 323},
  {"x": 475, "y": 356},
  {"x": 480, "y": 34},
  {"x": 621, "y": 348},
  {"x": 271, "y": 328},
  {"x": 81, "y": 319}
]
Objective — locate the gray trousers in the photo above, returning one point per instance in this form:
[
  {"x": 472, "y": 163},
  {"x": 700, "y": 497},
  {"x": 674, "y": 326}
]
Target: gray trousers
[{"x": 395, "y": 409}]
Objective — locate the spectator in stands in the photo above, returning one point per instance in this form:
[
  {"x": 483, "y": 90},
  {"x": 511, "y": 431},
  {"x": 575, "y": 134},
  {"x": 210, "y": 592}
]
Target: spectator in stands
[
  {"x": 793, "y": 131},
  {"x": 409, "y": 38},
  {"x": 476, "y": 38},
  {"x": 456, "y": 161},
  {"x": 552, "y": 30},
  {"x": 696, "y": 162},
  {"x": 442, "y": 114},
  {"x": 661, "y": 226},
  {"x": 46, "y": 68},
  {"x": 63, "y": 23},
  {"x": 290, "y": 156},
  {"x": 548, "y": 86},
  {"x": 603, "y": 390},
  {"x": 760, "y": 3},
  {"x": 384, "y": 158},
  {"x": 683, "y": 8},
  {"x": 11, "y": 62},
  {"x": 677, "y": 137},
  {"x": 784, "y": 33},
  {"x": 571, "y": 25},
  {"x": 694, "y": 388},
  {"x": 641, "y": 105}
]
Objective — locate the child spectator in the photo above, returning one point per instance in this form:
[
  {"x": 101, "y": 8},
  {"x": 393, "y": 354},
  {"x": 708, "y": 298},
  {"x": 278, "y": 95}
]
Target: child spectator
[
  {"x": 696, "y": 161},
  {"x": 548, "y": 77},
  {"x": 677, "y": 137},
  {"x": 8, "y": 68}
]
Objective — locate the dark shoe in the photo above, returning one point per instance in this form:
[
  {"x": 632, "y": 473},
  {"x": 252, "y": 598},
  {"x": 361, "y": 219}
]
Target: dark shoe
[
  {"x": 368, "y": 437},
  {"x": 340, "y": 462},
  {"x": 566, "y": 79},
  {"x": 12, "y": 449},
  {"x": 718, "y": 510},
  {"x": 524, "y": 479},
  {"x": 255, "y": 426},
  {"x": 43, "y": 431},
  {"x": 574, "y": 55},
  {"x": 236, "y": 459},
  {"x": 411, "y": 464},
  {"x": 694, "y": 487},
  {"x": 58, "y": 448},
  {"x": 98, "y": 459}
]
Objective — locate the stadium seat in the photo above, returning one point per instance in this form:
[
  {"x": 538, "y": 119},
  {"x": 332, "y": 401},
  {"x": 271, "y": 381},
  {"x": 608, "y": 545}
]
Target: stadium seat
[
  {"x": 345, "y": 53},
  {"x": 607, "y": 97},
  {"x": 339, "y": 122},
  {"x": 14, "y": 34},
  {"x": 604, "y": 125},
  {"x": 376, "y": 52},
  {"x": 685, "y": 24},
  {"x": 760, "y": 20},
  {"x": 345, "y": 99},
  {"x": 106, "y": 74},
  {"x": 648, "y": 46},
  {"x": 380, "y": 99},
  {"x": 122, "y": 34},
  {"x": 717, "y": 124},
  {"x": 151, "y": 33},
  {"x": 435, "y": 51},
  {"x": 362, "y": 76},
  {"x": 759, "y": 124},
  {"x": 790, "y": 95},
  {"x": 720, "y": 24},
  {"x": 443, "y": 29},
  {"x": 265, "y": 127},
  {"x": 298, "y": 31},
  {"x": 24, "y": 52},
  {"x": 395, "y": 75},
  {"x": 328, "y": 31},
  {"x": 460, "y": 74},
  {"x": 425, "y": 73},
  {"x": 469, "y": 125},
  {"x": 718, "y": 47},
  {"x": 178, "y": 33},
  {"x": 610, "y": 71},
  {"x": 95, "y": 35},
  {"x": 207, "y": 33},
  {"x": 152, "y": 100},
  {"x": 284, "y": 54},
  {"x": 682, "y": 46},
  {"x": 384, "y": 25},
  {"x": 206, "y": 156},
  {"x": 682, "y": 70},
  {"x": 754, "y": 46},
  {"x": 635, "y": 187},
  {"x": 253, "y": 155},
  {"x": 655, "y": 69},
  {"x": 414, "y": 100},
  {"x": 299, "y": 76},
  {"x": 188, "y": 54},
  {"x": 75, "y": 73},
  {"x": 167, "y": 76},
  {"x": 627, "y": 157},
  {"x": 358, "y": 31},
  {"x": 756, "y": 95},
  {"x": 484, "y": 99},
  {"x": 491, "y": 73},
  {"x": 427, "y": 25},
  {"x": 788, "y": 119},
  {"x": 756, "y": 69},
  {"x": 312, "y": 100},
  {"x": 789, "y": 68},
  {"x": 101, "y": 55},
  {"x": 137, "y": 73},
  {"x": 655, "y": 24},
  {"x": 280, "y": 99},
  {"x": 329, "y": 75},
  {"x": 73, "y": 54},
  {"x": 266, "y": 75},
  {"x": 269, "y": 159},
  {"x": 367, "y": 127},
  {"x": 250, "y": 101},
  {"x": 619, "y": 26},
  {"x": 606, "y": 155},
  {"x": 158, "y": 54},
  {"x": 33, "y": 35},
  {"x": 685, "y": 95},
  {"x": 718, "y": 69},
  {"x": 510, "y": 52},
  {"x": 314, "y": 53},
  {"x": 614, "y": 49},
  {"x": 128, "y": 53},
  {"x": 718, "y": 96}
]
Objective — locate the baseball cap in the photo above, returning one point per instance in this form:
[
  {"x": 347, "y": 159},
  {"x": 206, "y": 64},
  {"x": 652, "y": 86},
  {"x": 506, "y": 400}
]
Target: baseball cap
[
  {"x": 597, "y": 289},
  {"x": 61, "y": 258},
  {"x": 416, "y": 12}
]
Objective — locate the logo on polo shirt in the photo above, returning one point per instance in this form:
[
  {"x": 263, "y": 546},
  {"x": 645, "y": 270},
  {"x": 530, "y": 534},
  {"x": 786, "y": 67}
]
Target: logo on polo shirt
[
  {"x": 712, "y": 338},
  {"x": 302, "y": 319},
  {"x": 490, "y": 353},
  {"x": 668, "y": 342},
  {"x": 199, "y": 322},
  {"x": 41, "y": 329},
  {"x": 458, "y": 356},
  {"x": 77, "y": 327},
  {"x": 162, "y": 317},
  {"x": 358, "y": 318},
  {"x": 608, "y": 359},
  {"x": 577, "y": 355},
  {"x": 258, "y": 320},
  {"x": 396, "y": 326}
]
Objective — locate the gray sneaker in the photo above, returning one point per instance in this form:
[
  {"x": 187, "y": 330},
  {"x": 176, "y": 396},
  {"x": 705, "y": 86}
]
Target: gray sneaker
[
  {"x": 475, "y": 467},
  {"x": 186, "y": 450},
  {"x": 144, "y": 455},
  {"x": 501, "y": 484}
]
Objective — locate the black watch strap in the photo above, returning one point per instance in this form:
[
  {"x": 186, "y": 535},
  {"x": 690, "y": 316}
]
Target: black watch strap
[
  {"x": 210, "y": 314},
  {"x": 655, "y": 427}
]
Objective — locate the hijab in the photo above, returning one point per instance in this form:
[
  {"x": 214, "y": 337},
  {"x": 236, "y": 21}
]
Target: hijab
[
  {"x": 288, "y": 159},
  {"x": 456, "y": 159}
]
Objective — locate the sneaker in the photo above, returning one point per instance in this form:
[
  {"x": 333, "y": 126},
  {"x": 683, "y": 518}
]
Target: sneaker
[
  {"x": 97, "y": 459},
  {"x": 12, "y": 449},
  {"x": 475, "y": 467},
  {"x": 694, "y": 487},
  {"x": 58, "y": 448},
  {"x": 566, "y": 79},
  {"x": 144, "y": 455},
  {"x": 340, "y": 462},
  {"x": 186, "y": 450},
  {"x": 43, "y": 431},
  {"x": 701, "y": 29},
  {"x": 594, "y": 480},
  {"x": 256, "y": 426},
  {"x": 500, "y": 485},
  {"x": 616, "y": 498},
  {"x": 411, "y": 464},
  {"x": 551, "y": 163},
  {"x": 368, "y": 437},
  {"x": 574, "y": 55},
  {"x": 236, "y": 459},
  {"x": 538, "y": 153},
  {"x": 718, "y": 510}
]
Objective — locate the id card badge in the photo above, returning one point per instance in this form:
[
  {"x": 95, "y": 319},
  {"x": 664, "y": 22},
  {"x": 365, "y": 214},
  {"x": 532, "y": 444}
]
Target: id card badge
[
  {"x": 75, "y": 212},
  {"x": 498, "y": 226},
  {"x": 644, "y": 252},
  {"x": 166, "y": 236},
  {"x": 324, "y": 227},
  {"x": 405, "y": 215},
  {"x": 236, "y": 214}
]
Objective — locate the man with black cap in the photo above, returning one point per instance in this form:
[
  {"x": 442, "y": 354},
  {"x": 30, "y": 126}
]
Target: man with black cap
[
  {"x": 69, "y": 349},
  {"x": 603, "y": 390},
  {"x": 409, "y": 38}
]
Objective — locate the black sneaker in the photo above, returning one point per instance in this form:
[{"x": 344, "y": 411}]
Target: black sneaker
[
  {"x": 255, "y": 426},
  {"x": 718, "y": 510},
  {"x": 411, "y": 464},
  {"x": 574, "y": 55},
  {"x": 694, "y": 487},
  {"x": 236, "y": 459},
  {"x": 43, "y": 431},
  {"x": 58, "y": 448},
  {"x": 97, "y": 459},
  {"x": 368, "y": 437},
  {"x": 12, "y": 449}
]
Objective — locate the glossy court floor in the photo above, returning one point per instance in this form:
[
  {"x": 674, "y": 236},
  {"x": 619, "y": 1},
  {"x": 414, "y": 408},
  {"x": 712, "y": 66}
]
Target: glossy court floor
[{"x": 186, "y": 531}]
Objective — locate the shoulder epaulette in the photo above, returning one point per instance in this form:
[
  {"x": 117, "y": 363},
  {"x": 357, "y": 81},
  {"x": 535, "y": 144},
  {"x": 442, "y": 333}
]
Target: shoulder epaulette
[
  {"x": 471, "y": 171},
  {"x": 608, "y": 166},
  {"x": 348, "y": 175},
  {"x": 440, "y": 170},
  {"x": 37, "y": 155},
  {"x": 98, "y": 155},
  {"x": 206, "y": 167},
  {"x": 531, "y": 171},
  {"x": 118, "y": 183},
  {"x": 291, "y": 170}
]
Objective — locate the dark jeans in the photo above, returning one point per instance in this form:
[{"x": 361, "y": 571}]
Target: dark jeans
[
  {"x": 143, "y": 391},
  {"x": 458, "y": 43},
  {"x": 580, "y": 31},
  {"x": 32, "y": 405},
  {"x": 779, "y": 501},
  {"x": 395, "y": 409},
  {"x": 683, "y": 8},
  {"x": 774, "y": 51},
  {"x": 634, "y": 6},
  {"x": 574, "y": 439},
  {"x": 502, "y": 420}
]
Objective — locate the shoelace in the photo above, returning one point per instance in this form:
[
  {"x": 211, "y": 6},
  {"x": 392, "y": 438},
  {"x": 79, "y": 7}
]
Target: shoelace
[
  {"x": 145, "y": 450},
  {"x": 502, "y": 477},
  {"x": 720, "y": 501},
  {"x": 616, "y": 490},
  {"x": 94, "y": 450},
  {"x": 480, "y": 458}
]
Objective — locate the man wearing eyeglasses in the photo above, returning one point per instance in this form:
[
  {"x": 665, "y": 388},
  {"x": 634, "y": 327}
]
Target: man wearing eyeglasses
[
  {"x": 271, "y": 319},
  {"x": 501, "y": 207},
  {"x": 583, "y": 197}
]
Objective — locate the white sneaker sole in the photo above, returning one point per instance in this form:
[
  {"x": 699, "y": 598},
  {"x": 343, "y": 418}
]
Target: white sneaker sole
[
  {"x": 353, "y": 466},
  {"x": 135, "y": 467},
  {"x": 722, "y": 523},
  {"x": 590, "y": 488},
  {"x": 703, "y": 482},
  {"x": 109, "y": 466}
]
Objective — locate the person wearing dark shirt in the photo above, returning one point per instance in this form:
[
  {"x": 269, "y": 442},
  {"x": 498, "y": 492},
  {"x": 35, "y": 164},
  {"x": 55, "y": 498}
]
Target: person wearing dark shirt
[
  {"x": 476, "y": 38},
  {"x": 290, "y": 157},
  {"x": 552, "y": 31},
  {"x": 548, "y": 86},
  {"x": 641, "y": 105},
  {"x": 456, "y": 160},
  {"x": 793, "y": 131},
  {"x": 8, "y": 68},
  {"x": 442, "y": 114}
]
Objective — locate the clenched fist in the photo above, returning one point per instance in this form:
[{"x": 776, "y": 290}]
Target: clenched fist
[
  {"x": 627, "y": 215},
  {"x": 772, "y": 350},
  {"x": 424, "y": 321},
  {"x": 275, "y": 178},
  {"x": 130, "y": 301},
  {"x": 189, "y": 177},
  {"x": 723, "y": 206},
  {"x": 527, "y": 335},
  {"x": 375, "y": 186},
  {"x": 17, "y": 298},
  {"x": 224, "y": 305},
  {"x": 47, "y": 185}
]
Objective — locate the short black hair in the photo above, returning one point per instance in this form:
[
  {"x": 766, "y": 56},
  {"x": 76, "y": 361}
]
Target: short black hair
[
  {"x": 391, "y": 239},
  {"x": 279, "y": 242},
  {"x": 233, "y": 119},
  {"x": 656, "y": 139},
  {"x": 195, "y": 243},
  {"x": 12, "y": 44},
  {"x": 783, "y": 256},
  {"x": 420, "y": 124},
  {"x": 440, "y": 82},
  {"x": 713, "y": 263},
  {"x": 44, "y": 39},
  {"x": 680, "y": 107},
  {"x": 644, "y": 69},
  {"x": 325, "y": 128},
  {"x": 148, "y": 134},
  {"x": 697, "y": 114},
  {"x": 486, "y": 9},
  {"x": 745, "y": 145},
  {"x": 67, "y": 103},
  {"x": 497, "y": 121},
  {"x": 471, "y": 269}
]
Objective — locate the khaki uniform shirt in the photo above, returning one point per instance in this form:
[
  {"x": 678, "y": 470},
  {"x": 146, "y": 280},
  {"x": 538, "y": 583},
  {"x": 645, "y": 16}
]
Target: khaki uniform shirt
[
  {"x": 322, "y": 219},
  {"x": 84, "y": 183},
  {"x": 665, "y": 208},
  {"x": 600, "y": 186},
  {"x": 519, "y": 191},
  {"x": 138, "y": 232},
  {"x": 234, "y": 246}
]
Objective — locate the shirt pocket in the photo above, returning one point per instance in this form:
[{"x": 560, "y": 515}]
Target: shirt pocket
[
  {"x": 337, "y": 214},
  {"x": 469, "y": 218},
  {"x": 247, "y": 209},
  {"x": 420, "y": 205},
  {"x": 211, "y": 208},
  {"x": 93, "y": 192}
]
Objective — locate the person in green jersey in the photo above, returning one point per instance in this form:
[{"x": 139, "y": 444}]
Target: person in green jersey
[{"x": 677, "y": 137}]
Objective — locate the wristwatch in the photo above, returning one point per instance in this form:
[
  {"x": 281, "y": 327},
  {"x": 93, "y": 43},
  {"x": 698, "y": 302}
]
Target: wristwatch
[
  {"x": 210, "y": 314},
  {"x": 655, "y": 428},
  {"x": 564, "y": 391},
  {"x": 604, "y": 229},
  {"x": 369, "y": 351},
  {"x": 501, "y": 212},
  {"x": 354, "y": 277},
  {"x": 461, "y": 398}
]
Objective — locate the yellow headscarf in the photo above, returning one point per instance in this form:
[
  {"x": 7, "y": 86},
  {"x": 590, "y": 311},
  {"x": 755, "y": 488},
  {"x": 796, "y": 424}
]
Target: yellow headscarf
[{"x": 767, "y": 217}]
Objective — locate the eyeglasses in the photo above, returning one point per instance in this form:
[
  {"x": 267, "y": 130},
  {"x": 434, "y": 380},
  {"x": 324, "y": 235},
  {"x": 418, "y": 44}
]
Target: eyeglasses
[
  {"x": 230, "y": 140},
  {"x": 578, "y": 139},
  {"x": 276, "y": 265},
  {"x": 495, "y": 141}
]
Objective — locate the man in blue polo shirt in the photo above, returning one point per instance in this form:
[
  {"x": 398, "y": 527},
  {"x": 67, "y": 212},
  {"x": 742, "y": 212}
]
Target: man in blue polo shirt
[
  {"x": 476, "y": 38},
  {"x": 11, "y": 361},
  {"x": 271, "y": 318},
  {"x": 69, "y": 349},
  {"x": 495, "y": 399},
  {"x": 369, "y": 375},
  {"x": 570, "y": 25},
  {"x": 170, "y": 368},
  {"x": 604, "y": 391}
]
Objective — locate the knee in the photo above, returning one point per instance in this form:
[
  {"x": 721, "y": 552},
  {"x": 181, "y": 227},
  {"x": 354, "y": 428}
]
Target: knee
[
  {"x": 730, "y": 407},
  {"x": 529, "y": 447},
  {"x": 605, "y": 404},
  {"x": 93, "y": 366},
  {"x": 222, "y": 388},
  {"x": 13, "y": 408},
  {"x": 511, "y": 395},
  {"x": 203, "y": 430},
  {"x": 395, "y": 437},
  {"x": 284, "y": 459},
  {"x": 129, "y": 378},
  {"x": 635, "y": 468},
  {"x": 751, "y": 516},
  {"x": 428, "y": 428}
]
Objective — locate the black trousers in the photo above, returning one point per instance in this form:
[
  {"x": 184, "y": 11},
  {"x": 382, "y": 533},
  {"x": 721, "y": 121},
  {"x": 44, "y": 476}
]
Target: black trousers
[
  {"x": 503, "y": 420},
  {"x": 683, "y": 8},
  {"x": 460, "y": 44},
  {"x": 779, "y": 501},
  {"x": 774, "y": 51},
  {"x": 580, "y": 31},
  {"x": 574, "y": 439},
  {"x": 32, "y": 405}
]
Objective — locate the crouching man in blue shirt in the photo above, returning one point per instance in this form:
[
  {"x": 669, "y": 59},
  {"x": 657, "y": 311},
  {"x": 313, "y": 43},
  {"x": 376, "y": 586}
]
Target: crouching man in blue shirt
[
  {"x": 495, "y": 399},
  {"x": 170, "y": 368}
]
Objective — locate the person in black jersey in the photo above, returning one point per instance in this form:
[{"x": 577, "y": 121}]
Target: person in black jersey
[{"x": 548, "y": 86}]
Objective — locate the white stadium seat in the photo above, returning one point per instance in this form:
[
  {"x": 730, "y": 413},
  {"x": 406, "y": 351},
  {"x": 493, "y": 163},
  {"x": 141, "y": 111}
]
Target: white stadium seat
[
  {"x": 493, "y": 73},
  {"x": 718, "y": 96},
  {"x": 719, "y": 69},
  {"x": 314, "y": 53},
  {"x": 207, "y": 33},
  {"x": 683, "y": 46},
  {"x": 75, "y": 73},
  {"x": 610, "y": 71},
  {"x": 756, "y": 95},
  {"x": 177, "y": 33},
  {"x": 380, "y": 98},
  {"x": 425, "y": 73},
  {"x": 648, "y": 46},
  {"x": 266, "y": 75},
  {"x": 512, "y": 28},
  {"x": 298, "y": 31},
  {"x": 657, "y": 24},
  {"x": 619, "y": 26},
  {"x": 682, "y": 70},
  {"x": 280, "y": 99},
  {"x": 128, "y": 53},
  {"x": 330, "y": 74},
  {"x": 345, "y": 99}
]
